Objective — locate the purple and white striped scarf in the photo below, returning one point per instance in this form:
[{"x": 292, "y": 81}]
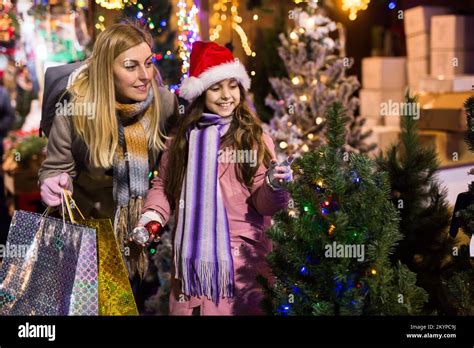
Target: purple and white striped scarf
[{"x": 202, "y": 252}]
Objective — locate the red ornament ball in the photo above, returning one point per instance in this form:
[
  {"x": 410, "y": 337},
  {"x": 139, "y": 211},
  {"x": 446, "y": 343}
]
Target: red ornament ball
[{"x": 153, "y": 227}]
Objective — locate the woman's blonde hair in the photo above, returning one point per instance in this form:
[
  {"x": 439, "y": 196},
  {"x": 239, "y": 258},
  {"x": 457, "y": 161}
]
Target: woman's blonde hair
[{"x": 96, "y": 86}]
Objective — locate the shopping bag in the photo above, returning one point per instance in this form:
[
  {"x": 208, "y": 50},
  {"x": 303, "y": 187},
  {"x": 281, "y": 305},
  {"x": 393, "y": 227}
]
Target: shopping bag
[
  {"x": 85, "y": 292},
  {"x": 115, "y": 293},
  {"x": 38, "y": 279},
  {"x": 115, "y": 296},
  {"x": 68, "y": 268}
]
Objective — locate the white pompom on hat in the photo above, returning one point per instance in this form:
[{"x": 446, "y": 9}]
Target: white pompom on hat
[{"x": 211, "y": 63}]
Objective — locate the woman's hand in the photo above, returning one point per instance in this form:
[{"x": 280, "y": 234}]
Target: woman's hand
[
  {"x": 52, "y": 189},
  {"x": 281, "y": 173}
]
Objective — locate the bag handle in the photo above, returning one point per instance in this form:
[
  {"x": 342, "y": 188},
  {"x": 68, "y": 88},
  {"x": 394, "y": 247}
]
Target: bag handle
[{"x": 70, "y": 204}]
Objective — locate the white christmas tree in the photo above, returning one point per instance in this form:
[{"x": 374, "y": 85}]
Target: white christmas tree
[{"x": 316, "y": 68}]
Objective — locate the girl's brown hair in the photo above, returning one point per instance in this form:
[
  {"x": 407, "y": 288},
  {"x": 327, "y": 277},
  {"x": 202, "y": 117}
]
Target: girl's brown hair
[{"x": 245, "y": 133}]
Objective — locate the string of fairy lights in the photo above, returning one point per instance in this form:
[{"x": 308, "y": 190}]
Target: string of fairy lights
[
  {"x": 354, "y": 6},
  {"x": 351, "y": 6},
  {"x": 229, "y": 9},
  {"x": 224, "y": 13},
  {"x": 188, "y": 30},
  {"x": 142, "y": 13},
  {"x": 112, "y": 4}
]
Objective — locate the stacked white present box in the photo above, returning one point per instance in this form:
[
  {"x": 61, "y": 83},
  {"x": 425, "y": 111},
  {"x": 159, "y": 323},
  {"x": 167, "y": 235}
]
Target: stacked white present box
[
  {"x": 383, "y": 85},
  {"x": 452, "y": 46},
  {"x": 418, "y": 40},
  {"x": 439, "y": 67},
  {"x": 452, "y": 55},
  {"x": 448, "y": 81}
]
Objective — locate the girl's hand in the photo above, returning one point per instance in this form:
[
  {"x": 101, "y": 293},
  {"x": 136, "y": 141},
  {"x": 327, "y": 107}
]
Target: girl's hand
[
  {"x": 153, "y": 232},
  {"x": 281, "y": 173}
]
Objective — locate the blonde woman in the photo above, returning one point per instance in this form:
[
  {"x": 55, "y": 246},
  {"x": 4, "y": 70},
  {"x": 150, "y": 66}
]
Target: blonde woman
[{"x": 108, "y": 133}]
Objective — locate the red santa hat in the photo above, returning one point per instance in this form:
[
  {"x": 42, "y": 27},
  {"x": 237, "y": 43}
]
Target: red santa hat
[{"x": 211, "y": 63}]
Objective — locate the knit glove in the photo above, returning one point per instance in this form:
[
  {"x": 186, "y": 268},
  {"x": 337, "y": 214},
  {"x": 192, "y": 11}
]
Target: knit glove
[
  {"x": 52, "y": 188},
  {"x": 149, "y": 215}
]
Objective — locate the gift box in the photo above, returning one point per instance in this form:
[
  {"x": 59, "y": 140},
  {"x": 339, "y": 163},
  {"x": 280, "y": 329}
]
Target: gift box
[
  {"x": 416, "y": 70},
  {"x": 373, "y": 101},
  {"x": 448, "y": 63},
  {"x": 449, "y": 146},
  {"x": 459, "y": 83},
  {"x": 452, "y": 32},
  {"x": 442, "y": 119},
  {"x": 384, "y": 72},
  {"x": 418, "y": 46},
  {"x": 417, "y": 19},
  {"x": 443, "y": 112}
]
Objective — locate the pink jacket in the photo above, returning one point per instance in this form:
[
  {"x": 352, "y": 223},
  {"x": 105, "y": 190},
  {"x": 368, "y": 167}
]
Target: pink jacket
[{"x": 249, "y": 215}]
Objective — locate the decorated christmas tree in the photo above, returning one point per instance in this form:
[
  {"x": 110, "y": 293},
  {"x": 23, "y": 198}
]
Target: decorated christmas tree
[
  {"x": 316, "y": 77},
  {"x": 427, "y": 246},
  {"x": 332, "y": 247}
]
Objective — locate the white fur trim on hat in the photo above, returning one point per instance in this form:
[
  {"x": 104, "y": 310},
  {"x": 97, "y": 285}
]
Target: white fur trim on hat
[{"x": 193, "y": 87}]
